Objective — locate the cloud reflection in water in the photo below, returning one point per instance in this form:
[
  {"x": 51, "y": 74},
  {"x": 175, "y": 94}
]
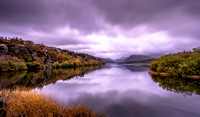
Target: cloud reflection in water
[{"x": 121, "y": 92}]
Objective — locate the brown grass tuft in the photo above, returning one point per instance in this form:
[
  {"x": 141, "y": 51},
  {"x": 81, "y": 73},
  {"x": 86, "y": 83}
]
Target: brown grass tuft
[
  {"x": 80, "y": 111},
  {"x": 27, "y": 103}
]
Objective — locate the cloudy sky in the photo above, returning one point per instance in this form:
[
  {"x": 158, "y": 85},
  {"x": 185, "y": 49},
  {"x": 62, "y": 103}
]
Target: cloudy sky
[{"x": 105, "y": 28}]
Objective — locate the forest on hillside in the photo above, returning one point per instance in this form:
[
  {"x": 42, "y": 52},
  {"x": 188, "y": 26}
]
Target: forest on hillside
[{"x": 17, "y": 54}]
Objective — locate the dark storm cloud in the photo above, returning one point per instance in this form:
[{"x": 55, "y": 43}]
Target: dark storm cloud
[
  {"x": 48, "y": 14},
  {"x": 127, "y": 20},
  {"x": 62, "y": 41},
  {"x": 176, "y": 16}
]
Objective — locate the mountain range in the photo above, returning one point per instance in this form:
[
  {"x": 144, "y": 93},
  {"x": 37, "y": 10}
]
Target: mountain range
[{"x": 134, "y": 59}]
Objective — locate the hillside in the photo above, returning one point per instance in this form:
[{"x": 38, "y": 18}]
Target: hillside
[
  {"x": 107, "y": 60},
  {"x": 140, "y": 61},
  {"x": 19, "y": 53},
  {"x": 120, "y": 60},
  {"x": 135, "y": 59},
  {"x": 185, "y": 64}
]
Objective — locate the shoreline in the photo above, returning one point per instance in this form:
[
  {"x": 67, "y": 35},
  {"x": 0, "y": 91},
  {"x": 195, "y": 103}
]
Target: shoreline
[{"x": 168, "y": 75}]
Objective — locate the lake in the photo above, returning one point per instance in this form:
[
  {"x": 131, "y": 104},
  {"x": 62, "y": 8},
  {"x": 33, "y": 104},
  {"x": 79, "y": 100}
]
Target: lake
[{"x": 115, "y": 90}]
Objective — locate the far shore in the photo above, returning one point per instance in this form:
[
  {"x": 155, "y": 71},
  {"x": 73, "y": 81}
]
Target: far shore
[{"x": 168, "y": 75}]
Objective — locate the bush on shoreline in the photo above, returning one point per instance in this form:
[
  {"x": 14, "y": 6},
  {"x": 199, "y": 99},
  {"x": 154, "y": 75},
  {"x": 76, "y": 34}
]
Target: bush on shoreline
[
  {"x": 27, "y": 103},
  {"x": 184, "y": 63},
  {"x": 12, "y": 66},
  {"x": 73, "y": 65},
  {"x": 34, "y": 65}
]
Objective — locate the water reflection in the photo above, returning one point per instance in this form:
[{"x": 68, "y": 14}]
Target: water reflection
[
  {"x": 11, "y": 78},
  {"x": 123, "y": 91},
  {"x": 134, "y": 103},
  {"x": 185, "y": 86},
  {"x": 137, "y": 67},
  {"x": 116, "y": 90},
  {"x": 40, "y": 78}
]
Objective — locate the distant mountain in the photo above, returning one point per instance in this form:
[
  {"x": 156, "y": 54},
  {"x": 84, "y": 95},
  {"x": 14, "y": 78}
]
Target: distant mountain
[
  {"x": 120, "y": 60},
  {"x": 107, "y": 60},
  {"x": 135, "y": 59},
  {"x": 139, "y": 61}
]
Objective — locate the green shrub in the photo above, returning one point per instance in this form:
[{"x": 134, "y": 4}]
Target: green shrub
[
  {"x": 21, "y": 66},
  {"x": 27, "y": 58},
  {"x": 12, "y": 66},
  {"x": 186, "y": 63},
  {"x": 64, "y": 64},
  {"x": 33, "y": 65},
  {"x": 8, "y": 66},
  {"x": 75, "y": 64},
  {"x": 56, "y": 65}
]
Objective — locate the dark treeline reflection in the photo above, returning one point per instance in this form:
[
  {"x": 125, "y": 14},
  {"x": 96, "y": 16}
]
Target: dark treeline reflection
[
  {"x": 186, "y": 86},
  {"x": 41, "y": 77}
]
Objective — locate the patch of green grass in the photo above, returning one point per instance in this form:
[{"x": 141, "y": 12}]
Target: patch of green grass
[{"x": 27, "y": 58}]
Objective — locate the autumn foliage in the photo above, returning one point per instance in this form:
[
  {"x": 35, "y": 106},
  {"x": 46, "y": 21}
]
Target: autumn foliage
[{"x": 18, "y": 50}]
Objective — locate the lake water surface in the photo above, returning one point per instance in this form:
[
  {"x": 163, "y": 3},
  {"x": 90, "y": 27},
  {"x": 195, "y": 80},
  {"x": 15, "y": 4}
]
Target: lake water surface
[{"x": 118, "y": 90}]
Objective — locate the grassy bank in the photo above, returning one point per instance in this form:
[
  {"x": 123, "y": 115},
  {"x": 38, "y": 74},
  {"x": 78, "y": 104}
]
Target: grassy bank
[
  {"x": 26, "y": 103},
  {"x": 185, "y": 64}
]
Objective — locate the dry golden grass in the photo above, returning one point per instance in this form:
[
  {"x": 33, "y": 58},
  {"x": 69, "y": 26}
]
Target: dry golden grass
[
  {"x": 79, "y": 111},
  {"x": 31, "y": 104}
]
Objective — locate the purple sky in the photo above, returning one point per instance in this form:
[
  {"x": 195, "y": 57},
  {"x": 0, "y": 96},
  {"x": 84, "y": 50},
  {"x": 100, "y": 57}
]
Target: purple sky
[{"x": 105, "y": 28}]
